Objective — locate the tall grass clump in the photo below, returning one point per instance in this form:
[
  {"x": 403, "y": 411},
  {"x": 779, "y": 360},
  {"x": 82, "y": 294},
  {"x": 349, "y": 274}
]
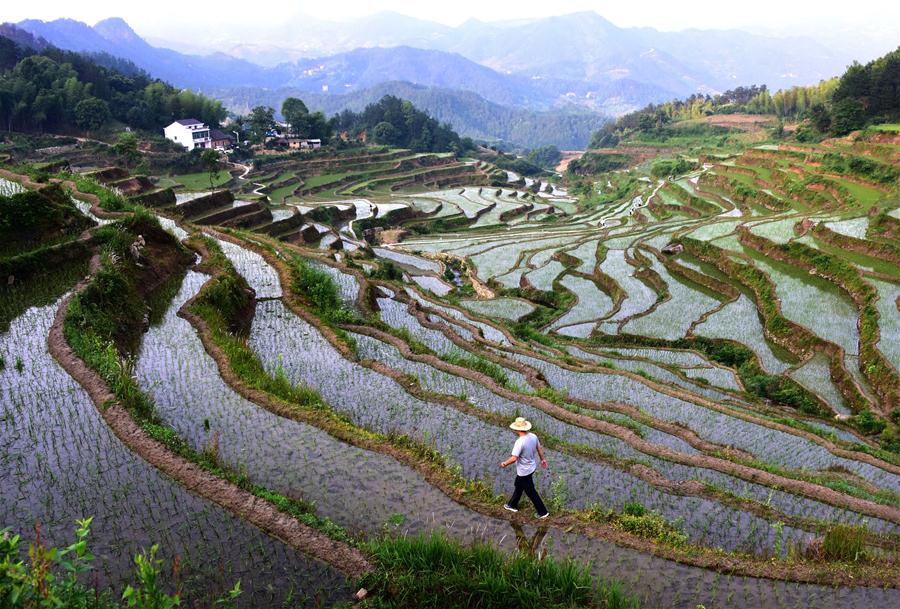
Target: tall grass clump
[
  {"x": 320, "y": 290},
  {"x": 435, "y": 572},
  {"x": 844, "y": 542}
]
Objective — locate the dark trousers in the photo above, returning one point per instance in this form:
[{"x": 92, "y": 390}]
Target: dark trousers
[{"x": 525, "y": 484}]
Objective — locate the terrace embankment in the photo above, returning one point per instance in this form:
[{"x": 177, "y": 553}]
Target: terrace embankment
[
  {"x": 634, "y": 412},
  {"x": 261, "y": 513},
  {"x": 222, "y": 362},
  {"x": 793, "y": 337},
  {"x": 877, "y": 369}
]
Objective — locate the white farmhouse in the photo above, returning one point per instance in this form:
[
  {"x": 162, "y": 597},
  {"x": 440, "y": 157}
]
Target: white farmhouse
[{"x": 190, "y": 133}]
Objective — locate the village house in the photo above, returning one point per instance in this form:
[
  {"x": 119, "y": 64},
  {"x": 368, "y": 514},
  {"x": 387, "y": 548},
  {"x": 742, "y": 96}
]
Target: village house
[
  {"x": 190, "y": 133},
  {"x": 360, "y": 137},
  {"x": 220, "y": 140},
  {"x": 296, "y": 143}
]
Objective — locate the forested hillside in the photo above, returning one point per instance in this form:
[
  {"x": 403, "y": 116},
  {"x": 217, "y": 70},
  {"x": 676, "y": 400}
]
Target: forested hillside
[
  {"x": 863, "y": 94},
  {"x": 469, "y": 114},
  {"x": 397, "y": 122},
  {"x": 48, "y": 89}
]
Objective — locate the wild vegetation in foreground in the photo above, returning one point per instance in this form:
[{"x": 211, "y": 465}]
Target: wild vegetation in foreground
[{"x": 409, "y": 572}]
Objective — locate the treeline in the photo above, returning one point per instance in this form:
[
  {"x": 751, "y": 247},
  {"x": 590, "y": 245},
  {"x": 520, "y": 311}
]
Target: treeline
[
  {"x": 864, "y": 94},
  {"x": 397, "y": 122},
  {"x": 592, "y": 163},
  {"x": 54, "y": 90},
  {"x": 391, "y": 121}
]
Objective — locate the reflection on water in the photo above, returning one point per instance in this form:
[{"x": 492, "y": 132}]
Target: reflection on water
[{"x": 533, "y": 546}]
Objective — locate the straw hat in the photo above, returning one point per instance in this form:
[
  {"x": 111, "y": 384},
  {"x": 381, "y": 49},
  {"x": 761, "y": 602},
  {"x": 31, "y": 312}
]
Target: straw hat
[{"x": 520, "y": 424}]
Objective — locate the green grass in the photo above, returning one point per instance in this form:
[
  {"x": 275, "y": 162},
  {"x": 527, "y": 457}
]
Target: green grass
[
  {"x": 865, "y": 195},
  {"x": 890, "y": 127},
  {"x": 279, "y": 195},
  {"x": 432, "y": 572},
  {"x": 200, "y": 181},
  {"x": 326, "y": 178},
  {"x": 844, "y": 542}
]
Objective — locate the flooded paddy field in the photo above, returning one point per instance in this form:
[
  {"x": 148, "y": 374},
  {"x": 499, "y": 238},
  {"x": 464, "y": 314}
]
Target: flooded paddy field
[{"x": 713, "y": 377}]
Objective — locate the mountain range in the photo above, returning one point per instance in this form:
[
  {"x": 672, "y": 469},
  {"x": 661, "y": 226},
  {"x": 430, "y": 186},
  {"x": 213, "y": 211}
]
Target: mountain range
[{"x": 580, "y": 64}]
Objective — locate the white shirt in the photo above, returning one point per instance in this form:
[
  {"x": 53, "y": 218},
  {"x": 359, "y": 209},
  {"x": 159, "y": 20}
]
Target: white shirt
[{"x": 525, "y": 451}]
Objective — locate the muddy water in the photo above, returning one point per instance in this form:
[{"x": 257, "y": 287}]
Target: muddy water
[{"x": 60, "y": 462}]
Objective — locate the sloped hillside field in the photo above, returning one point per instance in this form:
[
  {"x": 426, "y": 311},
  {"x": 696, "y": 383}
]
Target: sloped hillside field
[{"x": 274, "y": 389}]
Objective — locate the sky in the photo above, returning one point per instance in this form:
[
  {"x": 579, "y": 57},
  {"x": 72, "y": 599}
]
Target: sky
[{"x": 150, "y": 18}]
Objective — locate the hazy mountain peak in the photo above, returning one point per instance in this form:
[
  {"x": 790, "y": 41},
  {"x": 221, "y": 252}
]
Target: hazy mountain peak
[{"x": 116, "y": 29}]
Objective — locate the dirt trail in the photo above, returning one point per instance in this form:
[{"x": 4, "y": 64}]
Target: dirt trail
[
  {"x": 243, "y": 176},
  {"x": 568, "y": 157}
]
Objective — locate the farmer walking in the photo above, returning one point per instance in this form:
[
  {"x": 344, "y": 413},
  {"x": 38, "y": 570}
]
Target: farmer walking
[{"x": 524, "y": 454}]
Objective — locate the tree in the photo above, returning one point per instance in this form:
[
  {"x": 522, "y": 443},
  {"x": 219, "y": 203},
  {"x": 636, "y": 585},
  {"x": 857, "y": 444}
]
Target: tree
[
  {"x": 296, "y": 114},
  {"x": 317, "y": 126},
  {"x": 60, "y": 90},
  {"x": 261, "y": 121},
  {"x": 821, "y": 120},
  {"x": 126, "y": 147},
  {"x": 397, "y": 122},
  {"x": 384, "y": 133},
  {"x": 210, "y": 161},
  {"x": 545, "y": 156},
  {"x": 849, "y": 115},
  {"x": 91, "y": 113}
]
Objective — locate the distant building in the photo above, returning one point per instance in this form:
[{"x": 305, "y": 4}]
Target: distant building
[
  {"x": 190, "y": 133},
  {"x": 360, "y": 137},
  {"x": 220, "y": 140},
  {"x": 296, "y": 143}
]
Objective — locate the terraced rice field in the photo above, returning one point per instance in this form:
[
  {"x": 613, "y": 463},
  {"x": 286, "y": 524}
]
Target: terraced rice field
[
  {"x": 683, "y": 377},
  {"x": 61, "y": 462}
]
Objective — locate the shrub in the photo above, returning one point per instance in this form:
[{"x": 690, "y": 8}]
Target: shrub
[
  {"x": 651, "y": 526},
  {"x": 869, "y": 423},
  {"x": 672, "y": 167},
  {"x": 52, "y": 577},
  {"x": 633, "y": 508},
  {"x": 388, "y": 271}
]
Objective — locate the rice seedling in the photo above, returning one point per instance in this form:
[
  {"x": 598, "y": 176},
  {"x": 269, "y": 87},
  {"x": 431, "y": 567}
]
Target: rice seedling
[
  {"x": 768, "y": 445},
  {"x": 504, "y": 308},
  {"x": 84, "y": 470},
  {"x": 62, "y": 462}
]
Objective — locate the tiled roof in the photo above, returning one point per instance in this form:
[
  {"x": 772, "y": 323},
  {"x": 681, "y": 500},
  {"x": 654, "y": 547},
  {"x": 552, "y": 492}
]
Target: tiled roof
[{"x": 215, "y": 134}]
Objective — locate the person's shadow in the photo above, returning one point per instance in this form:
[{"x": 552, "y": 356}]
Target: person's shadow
[{"x": 534, "y": 547}]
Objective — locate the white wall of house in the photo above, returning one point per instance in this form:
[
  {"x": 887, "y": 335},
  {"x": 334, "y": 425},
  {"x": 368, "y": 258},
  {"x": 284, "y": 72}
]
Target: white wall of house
[{"x": 189, "y": 136}]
